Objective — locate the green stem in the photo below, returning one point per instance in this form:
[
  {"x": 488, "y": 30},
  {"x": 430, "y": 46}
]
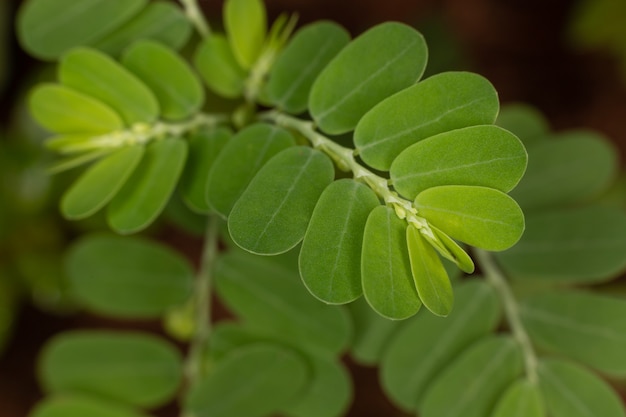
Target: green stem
[
  {"x": 195, "y": 16},
  {"x": 496, "y": 278}
]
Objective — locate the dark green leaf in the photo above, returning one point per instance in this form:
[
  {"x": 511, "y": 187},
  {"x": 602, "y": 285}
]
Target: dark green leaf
[
  {"x": 219, "y": 68},
  {"x": 245, "y": 22},
  {"x": 63, "y": 406},
  {"x": 525, "y": 122},
  {"x": 521, "y": 399}
]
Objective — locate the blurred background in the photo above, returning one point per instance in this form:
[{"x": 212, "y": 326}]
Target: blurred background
[{"x": 567, "y": 58}]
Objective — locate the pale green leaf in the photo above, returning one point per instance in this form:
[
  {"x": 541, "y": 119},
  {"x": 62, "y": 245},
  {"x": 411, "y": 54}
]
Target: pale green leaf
[
  {"x": 148, "y": 189},
  {"x": 75, "y": 161},
  {"x": 127, "y": 277},
  {"x": 131, "y": 368},
  {"x": 380, "y": 62},
  {"x": 459, "y": 257},
  {"x": 385, "y": 266},
  {"x": 421, "y": 349},
  {"x": 479, "y": 216},
  {"x": 96, "y": 74},
  {"x": 526, "y": 122},
  {"x": 272, "y": 214},
  {"x": 483, "y": 155},
  {"x": 521, "y": 399},
  {"x": 75, "y": 143},
  {"x": 443, "y": 102},
  {"x": 219, "y": 68},
  {"x": 76, "y": 406},
  {"x": 330, "y": 258},
  {"x": 245, "y": 22},
  {"x": 100, "y": 183}
]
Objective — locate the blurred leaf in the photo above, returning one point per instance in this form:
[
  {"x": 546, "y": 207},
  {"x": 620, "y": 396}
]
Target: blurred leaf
[
  {"x": 330, "y": 258},
  {"x": 572, "y": 391},
  {"x": 96, "y": 74},
  {"x": 75, "y": 161},
  {"x": 148, "y": 189},
  {"x": 49, "y": 28},
  {"x": 272, "y": 222},
  {"x": 521, "y": 399},
  {"x": 576, "y": 245},
  {"x": 583, "y": 326},
  {"x": 219, "y": 68},
  {"x": 245, "y": 22},
  {"x": 100, "y": 183},
  {"x": 380, "y": 62},
  {"x": 385, "y": 266},
  {"x": 478, "y": 155},
  {"x": 526, "y": 122},
  {"x": 8, "y": 303},
  {"x": 306, "y": 55},
  {"x": 474, "y": 380},
  {"x": 427, "y": 343},
  {"x": 64, "y": 406},
  {"x": 443, "y": 102},
  {"x": 479, "y": 216},
  {"x": 128, "y": 277},
  {"x": 133, "y": 368}
]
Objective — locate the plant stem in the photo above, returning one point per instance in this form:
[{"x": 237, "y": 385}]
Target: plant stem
[
  {"x": 496, "y": 278},
  {"x": 195, "y": 16}
]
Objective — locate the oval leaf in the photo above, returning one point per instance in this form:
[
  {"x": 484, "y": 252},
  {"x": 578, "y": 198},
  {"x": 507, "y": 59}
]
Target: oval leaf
[
  {"x": 99, "y": 184},
  {"x": 330, "y": 258},
  {"x": 271, "y": 222},
  {"x": 478, "y": 155},
  {"x": 63, "y": 406},
  {"x": 131, "y": 368},
  {"x": 380, "y": 62},
  {"x": 385, "y": 266},
  {"x": 479, "y": 216},
  {"x": 126, "y": 277},
  {"x": 525, "y": 122},
  {"x": 245, "y": 22},
  {"x": 147, "y": 191},
  {"x": 443, "y": 102},
  {"x": 96, "y": 74},
  {"x": 306, "y": 55},
  {"x": 219, "y": 68},
  {"x": 521, "y": 399},
  {"x": 457, "y": 254}
]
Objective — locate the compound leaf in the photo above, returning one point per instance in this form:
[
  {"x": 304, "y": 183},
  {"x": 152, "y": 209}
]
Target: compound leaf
[
  {"x": 272, "y": 214},
  {"x": 484, "y": 155},
  {"x": 219, "y": 68},
  {"x": 99, "y": 184},
  {"x": 96, "y": 74},
  {"x": 49, "y": 28},
  {"x": 240, "y": 160},
  {"x": 443, "y": 102},
  {"x": 147, "y": 191},
  {"x": 479, "y": 216},
  {"x": 330, "y": 258},
  {"x": 380, "y": 62},
  {"x": 526, "y": 122},
  {"x": 474, "y": 380},
  {"x": 582, "y": 326},
  {"x": 245, "y": 22},
  {"x": 572, "y": 391},
  {"x": 176, "y": 87},
  {"x": 306, "y": 55},
  {"x": 385, "y": 266},
  {"x": 127, "y": 277},
  {"x": 421, "y": 349},
  {"x": 64, "y": 406},
  {"x": 522, "y": 399},
  {"x": 132, "y": 368}
]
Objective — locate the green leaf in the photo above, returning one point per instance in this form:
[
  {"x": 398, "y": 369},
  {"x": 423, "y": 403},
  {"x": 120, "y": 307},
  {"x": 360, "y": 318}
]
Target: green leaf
[
  {"x": 160, "y": 21},
  {"x": 240, "y": 160},
  {"x": 385, "y": 266},
  {"x": 270, "y": 297},
  {"x": 245, "y": 22},
  {"x": 100, "y": 183},
  {"x": 96, "y": 74},
  {"x": 204, "y": 147},
  {"x": 380, "y": 62},
  {"x": 219, "y": 68},
  {"x": 582, "y": 326},
  {"x": 526, "y": 122},
  {"x": 521, "y": 399},
  {"x": 63, "y": 406},
  {"x": 306, "y": 55},
  {"x": 75, "y": 161},
  {"x": 330, "y": 258},
  {"x": 574, "y": 245},
  {"x": 49, "y": 28},
  {"x": 485, "y": 155},
  {"x": 128, "y": 277},
  {"x": 175, "y": 85},
  {"x": 474, "y": 380},
  {"x": 443, "y": 102},
  {"x": 430, "y": 277},
  {"x": 147, "y": 191},
  {"x": 572, "y": 391},
  {"x": 460, "y": 258},
  {"x": 132, "y": 368},
  {"x": 254, "y": 381},
  {"x": 426, "y": 344},
  {"x": 573, "y": 167},
  {"x": 272, "y": 222},
  {"x": 479, "y": 216},
  {"x": 63, "y": 110}
]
